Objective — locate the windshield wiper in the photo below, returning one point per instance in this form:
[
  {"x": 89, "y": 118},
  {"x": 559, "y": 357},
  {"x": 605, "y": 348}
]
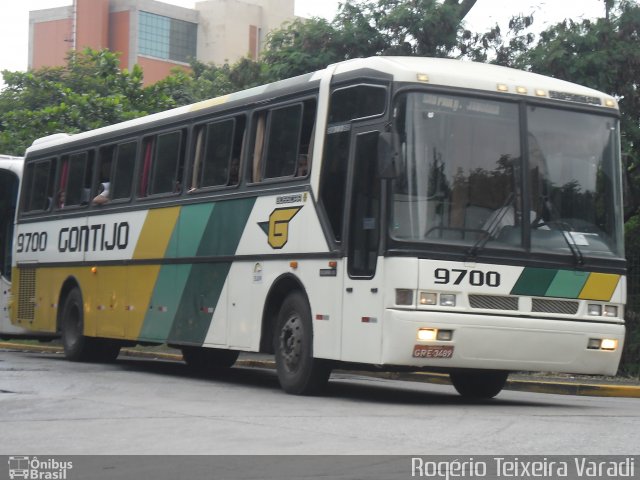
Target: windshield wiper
[{"x": 571, "y": 242}]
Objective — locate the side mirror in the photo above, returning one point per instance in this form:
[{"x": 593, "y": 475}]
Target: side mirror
[{"x": 386, "y": 162}]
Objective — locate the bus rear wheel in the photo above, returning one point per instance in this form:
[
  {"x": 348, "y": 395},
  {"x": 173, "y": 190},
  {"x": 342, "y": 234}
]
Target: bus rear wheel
[
  {"x": 207, "y": 359},
  {"x": 298, "y": 372},
  {"x": 479, "y": 384}
]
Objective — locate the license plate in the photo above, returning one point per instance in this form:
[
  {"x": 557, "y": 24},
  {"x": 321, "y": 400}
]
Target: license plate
[{"x": 433, "y": 351}]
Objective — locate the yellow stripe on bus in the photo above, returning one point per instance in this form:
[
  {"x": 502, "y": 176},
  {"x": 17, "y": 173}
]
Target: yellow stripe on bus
[
  {"x": 209, "y": 103},
  {"x": 156, "y": 233},
  {"x": 142, "y": 280},
  {"x": 599, "y": 286}
]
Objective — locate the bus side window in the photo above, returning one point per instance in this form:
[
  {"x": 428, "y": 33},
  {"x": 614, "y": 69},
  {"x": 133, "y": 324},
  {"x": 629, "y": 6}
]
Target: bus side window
[
  {"x": 148, "y": 145},
  {"x": 256, "y": 164},
  {"x": 100, "y": 193},
  {"x": 198, "y": 158},
  {"x": 237, "y": 150},
  {"x": 38, "y": 186},
  {"x": 75, "y": 181},
  {"x": 305, "y": 151},
  {"x": 217, "y": 153},
  {"x": 122, "y": 172},
  {"x": 163, "y": 165},
  {"x": 282, "y": 142},
  {"x": 357, "y": 102}
]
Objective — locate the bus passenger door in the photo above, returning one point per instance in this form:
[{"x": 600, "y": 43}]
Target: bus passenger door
[{"x": 362, "y": 297}]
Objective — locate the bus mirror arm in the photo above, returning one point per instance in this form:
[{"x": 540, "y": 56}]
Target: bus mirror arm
[{"x": 386, "y": 161}]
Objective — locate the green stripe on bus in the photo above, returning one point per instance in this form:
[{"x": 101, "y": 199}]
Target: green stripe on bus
[
  {"x": 200, "y": 297},
  {"x": 534, "y": 282},
  {"x": 192, "y": 223},
  {"x": 203, "y": 288},
  {"x": 567, "y": 284},
  {"x": 164, "y": 303},
  {"x": 172, "y": 279}
]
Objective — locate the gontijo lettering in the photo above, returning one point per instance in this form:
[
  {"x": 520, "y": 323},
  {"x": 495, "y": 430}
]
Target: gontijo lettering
[{"x": 91, "y": 238}]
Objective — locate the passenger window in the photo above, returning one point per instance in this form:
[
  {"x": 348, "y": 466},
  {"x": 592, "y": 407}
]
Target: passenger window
[
  {"x": 162, "y": 164},
  {"x": 358, "y": 101},
  {"x": 75, "y": 180},
  {"x": 123, "y": 171},
  {"x": 115, "y": 180},
  {"x": 284, "y": 141},
  {"x": 217, "y": 155},
  {"x": 39, "y": 182}
]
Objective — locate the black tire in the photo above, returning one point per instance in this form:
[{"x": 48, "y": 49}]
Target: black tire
[
  {"x": 479, "y": 384},
  {"x": 298, "y": 372},
  {"x": 77, "y": 347},
  {"x": 204, "y": 360}
]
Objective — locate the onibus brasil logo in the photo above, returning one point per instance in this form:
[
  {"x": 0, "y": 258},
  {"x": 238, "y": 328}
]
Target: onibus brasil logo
[{"x": 38, "y": 469}]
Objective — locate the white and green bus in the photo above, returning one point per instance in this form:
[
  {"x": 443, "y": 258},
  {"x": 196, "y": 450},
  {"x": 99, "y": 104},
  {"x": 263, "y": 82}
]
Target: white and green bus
[{"x": 390, "y": 213}]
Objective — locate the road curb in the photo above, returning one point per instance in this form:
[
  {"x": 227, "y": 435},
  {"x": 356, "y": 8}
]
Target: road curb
[{"x": 523, "y": 385}]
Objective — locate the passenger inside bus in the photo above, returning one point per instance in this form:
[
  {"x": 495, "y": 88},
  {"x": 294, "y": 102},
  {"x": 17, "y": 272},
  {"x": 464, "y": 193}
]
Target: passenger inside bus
[
  {"x": 303, "y": 166},
  {"x": 103, "y": 195}
]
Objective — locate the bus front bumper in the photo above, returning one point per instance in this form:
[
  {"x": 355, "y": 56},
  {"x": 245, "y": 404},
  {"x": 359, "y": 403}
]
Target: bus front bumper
[{"x": 503, "y": 343}]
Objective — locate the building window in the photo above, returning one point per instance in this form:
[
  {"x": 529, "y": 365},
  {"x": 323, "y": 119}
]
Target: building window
[{"x": 166, "y": 38}]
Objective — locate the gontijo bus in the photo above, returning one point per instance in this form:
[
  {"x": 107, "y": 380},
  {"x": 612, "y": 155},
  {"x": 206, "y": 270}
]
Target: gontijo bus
[{"x": 384, "y": 212}]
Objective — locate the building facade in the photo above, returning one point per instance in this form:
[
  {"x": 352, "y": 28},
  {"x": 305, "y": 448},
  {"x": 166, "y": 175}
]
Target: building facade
[{"x": 156, "y": 35}]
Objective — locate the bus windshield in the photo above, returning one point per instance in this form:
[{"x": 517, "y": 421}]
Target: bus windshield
[{"x": 462, "y": 179}]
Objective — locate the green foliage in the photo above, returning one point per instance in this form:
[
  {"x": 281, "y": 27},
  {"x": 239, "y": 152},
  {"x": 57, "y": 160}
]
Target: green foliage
[
  {"x": 90, "y": 91},
  {"x": 366, "y": 28},
  {"x": 208, "y": 81},
  {"x": 303, "y": 46}
]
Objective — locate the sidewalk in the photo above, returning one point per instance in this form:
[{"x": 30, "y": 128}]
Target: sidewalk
[{"x": 561, "y": 384}]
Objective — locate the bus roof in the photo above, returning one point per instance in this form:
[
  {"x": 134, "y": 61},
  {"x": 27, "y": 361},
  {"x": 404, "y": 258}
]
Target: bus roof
[
  {"x": 430, "y": 71},
  {"x": 13, "y": 164}
]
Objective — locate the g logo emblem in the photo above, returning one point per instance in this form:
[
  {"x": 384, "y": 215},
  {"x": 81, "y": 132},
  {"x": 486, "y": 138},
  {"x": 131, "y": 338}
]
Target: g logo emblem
[{"x": 277, "y": 228}]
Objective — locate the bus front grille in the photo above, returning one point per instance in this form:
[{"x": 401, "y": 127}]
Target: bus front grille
[
  {"x": 27, "y": 294},
  {"x": 541, "y": 305},
  {"x": 493, "y": 302}
]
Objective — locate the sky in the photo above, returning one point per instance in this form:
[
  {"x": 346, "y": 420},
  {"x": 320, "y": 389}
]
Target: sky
[{"x": 14, "y": 18}]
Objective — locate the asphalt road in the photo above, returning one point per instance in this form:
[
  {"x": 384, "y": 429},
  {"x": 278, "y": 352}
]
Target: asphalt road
[{"x": 142, "y": 406}]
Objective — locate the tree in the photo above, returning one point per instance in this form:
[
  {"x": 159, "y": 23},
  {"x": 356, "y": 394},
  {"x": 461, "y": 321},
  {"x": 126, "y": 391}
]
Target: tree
[
  {"x": 365, "y": 28},
  {"x": 90, "y": 91}
]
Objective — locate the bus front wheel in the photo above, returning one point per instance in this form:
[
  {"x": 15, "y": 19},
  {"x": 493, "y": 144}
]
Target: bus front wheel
[
  {"x": 299, "y": 373},
  {"x": 77, "y": 346},
  {"x": 479, "y": 383}
]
